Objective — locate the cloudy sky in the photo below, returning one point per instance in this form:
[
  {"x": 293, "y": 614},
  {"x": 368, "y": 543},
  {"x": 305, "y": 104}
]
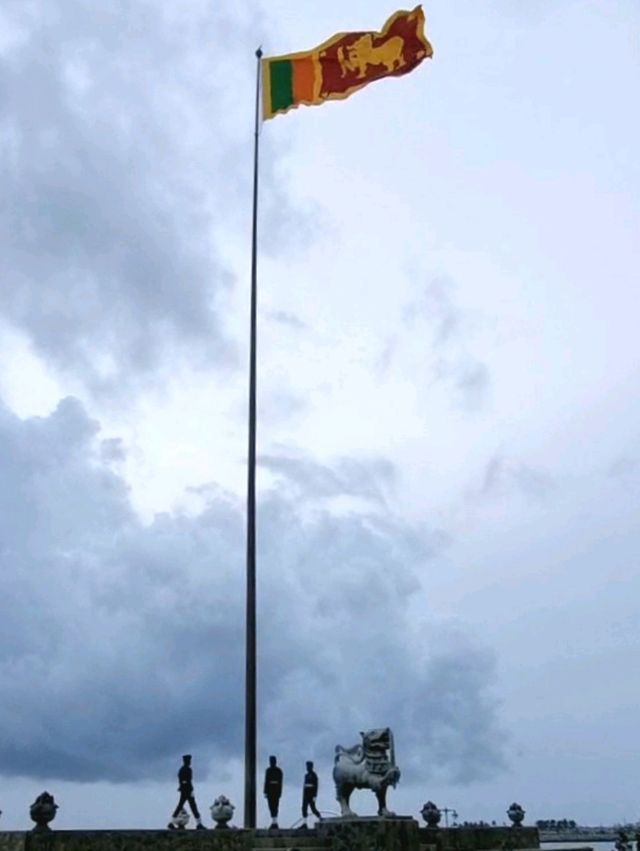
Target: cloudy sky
[{"x": 449, "y": 422}]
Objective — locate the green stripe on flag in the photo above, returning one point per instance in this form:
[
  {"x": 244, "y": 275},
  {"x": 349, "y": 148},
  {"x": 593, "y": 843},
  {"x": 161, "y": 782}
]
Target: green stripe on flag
[{"x": 281, "y": 72}]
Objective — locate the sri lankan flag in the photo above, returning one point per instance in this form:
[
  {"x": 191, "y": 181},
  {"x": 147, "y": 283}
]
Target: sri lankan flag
[{"x": 344, "y": 64}]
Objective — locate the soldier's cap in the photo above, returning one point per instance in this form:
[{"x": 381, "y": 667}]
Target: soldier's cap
[{"x": 186, "y": 756}]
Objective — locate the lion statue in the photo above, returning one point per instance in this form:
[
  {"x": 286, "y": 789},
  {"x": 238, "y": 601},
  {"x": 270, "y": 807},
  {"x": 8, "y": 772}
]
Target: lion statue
[
  {"x": 366, "y": 766},
  {"x": 362, "y": 53}
]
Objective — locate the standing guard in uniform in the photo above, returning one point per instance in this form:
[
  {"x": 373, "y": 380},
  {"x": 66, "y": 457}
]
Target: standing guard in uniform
[
  {"x": 273, "y": 790},
  {"x": 185, "y": 787},
  {"x": 309, "y": 794}
]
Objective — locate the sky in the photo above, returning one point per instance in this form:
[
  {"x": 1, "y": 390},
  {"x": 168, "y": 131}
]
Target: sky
[{"x": 448, "y": 415}]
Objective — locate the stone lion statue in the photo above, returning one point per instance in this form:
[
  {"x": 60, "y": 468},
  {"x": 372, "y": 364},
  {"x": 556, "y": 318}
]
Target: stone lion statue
[{"x": 369, "y": 765}]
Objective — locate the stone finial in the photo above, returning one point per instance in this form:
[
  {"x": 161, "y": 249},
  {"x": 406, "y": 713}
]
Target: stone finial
[
  {"x": 431, "y": 814},
  {"x": 42, "y": 811},
  {"x": 181, "y": 820},
  {"x": 222, "y": 811},
  {"x": 516, "y": 814}
]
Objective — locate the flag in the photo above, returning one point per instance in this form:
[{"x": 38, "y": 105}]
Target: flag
[{"x": 344, "y": 64}]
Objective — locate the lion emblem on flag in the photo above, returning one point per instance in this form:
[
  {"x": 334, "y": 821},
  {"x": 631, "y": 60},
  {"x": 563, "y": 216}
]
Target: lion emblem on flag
[{"x": 361, "y": 54}]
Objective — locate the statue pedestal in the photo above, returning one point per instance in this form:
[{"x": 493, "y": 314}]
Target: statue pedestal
[{"x": 398, "y": 833}]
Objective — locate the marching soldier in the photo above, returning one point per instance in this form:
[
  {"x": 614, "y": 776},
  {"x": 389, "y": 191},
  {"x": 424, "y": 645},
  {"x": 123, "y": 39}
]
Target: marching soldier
[
  {"x": 273, "y": 790},
  {"x": 185, "y": 787},
  {"x": 309, "y": 794}
]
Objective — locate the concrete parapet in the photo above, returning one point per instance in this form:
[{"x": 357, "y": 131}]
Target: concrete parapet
[
  {"x": 128, "y": 840},
  {"x": 479, "y": 838},
  {"x": 363, "y": 834},
  {"x": 13, "y": 841},
  {"x": 337, "y": 834}
]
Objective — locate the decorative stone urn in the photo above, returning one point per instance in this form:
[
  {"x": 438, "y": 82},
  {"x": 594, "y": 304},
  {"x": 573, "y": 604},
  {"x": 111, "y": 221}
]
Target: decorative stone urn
[
  {"x": 42, "y": 811},
  {"x": 431, "y": 814},
  {"x": 182, "y": 819},
  {"x": 222, "y": 812},
  {"x": 516, "y": 814}
]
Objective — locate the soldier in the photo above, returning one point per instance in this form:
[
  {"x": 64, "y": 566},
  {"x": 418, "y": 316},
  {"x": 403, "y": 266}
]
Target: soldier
[
  {"x": 185, "y": 787},
  {"x": 309, "y": 793},
  {"x": 273, "y": 790}
]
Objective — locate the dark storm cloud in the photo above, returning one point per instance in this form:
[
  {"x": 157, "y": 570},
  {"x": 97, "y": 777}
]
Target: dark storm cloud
[
  {"x": 119, "y": 154},
  {"x": 121, "y": 643}
]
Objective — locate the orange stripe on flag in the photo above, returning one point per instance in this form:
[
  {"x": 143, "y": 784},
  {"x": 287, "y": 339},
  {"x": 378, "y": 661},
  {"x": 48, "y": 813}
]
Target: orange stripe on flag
[{"x": 304, "y": 79}]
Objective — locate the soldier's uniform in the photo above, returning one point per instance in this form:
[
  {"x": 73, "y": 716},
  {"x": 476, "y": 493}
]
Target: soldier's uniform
[
  {"x": 185, "y": 787},
  {"x": 310, "y": 792},
  {"x": 273, "y": 789}
]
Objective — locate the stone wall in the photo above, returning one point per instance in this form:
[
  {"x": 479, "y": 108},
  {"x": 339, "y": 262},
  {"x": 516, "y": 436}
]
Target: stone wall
[
  {"x": 128, "y": 840},
  {"x": 334, "y": 834},
  {"x": 480, "y": 838},
  {"x": 12, "y": 841}
]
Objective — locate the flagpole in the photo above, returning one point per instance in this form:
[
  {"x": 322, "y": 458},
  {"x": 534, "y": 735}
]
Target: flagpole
[{"x": 250, "y": 748}]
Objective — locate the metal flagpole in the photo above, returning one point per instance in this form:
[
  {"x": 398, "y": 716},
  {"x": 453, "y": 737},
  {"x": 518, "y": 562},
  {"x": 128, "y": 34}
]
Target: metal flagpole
[{"x": 250, "y": 731}]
